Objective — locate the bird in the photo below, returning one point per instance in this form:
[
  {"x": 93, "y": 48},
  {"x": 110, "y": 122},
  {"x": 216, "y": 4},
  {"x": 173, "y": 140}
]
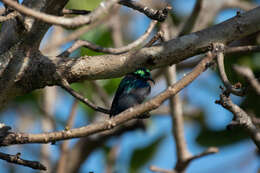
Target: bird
[{"x": 132, "y": 90}]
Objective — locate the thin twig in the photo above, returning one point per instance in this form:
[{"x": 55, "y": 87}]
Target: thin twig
[
  {"x": 75, "y": 11},
  {"x": 80, "y": 20},
  {"x": 249, "y": 75},
  {"x": 156, "y": 169},
  {"x": 9, "y": 16},
  {"x": 17, "y": 160},
  {"x": 65, "y": 85},
  {"x": 159, "y": 15},
  {"x": 74, "y": 35},
  {"x": 211, "y": 150},
  {"x": 241, "y": 118},
  {"x": 221, "y": 67},
  {"x": 92, "y": 46},
  {"x": 157, "y": 36},
  {"x": 242, "y": 49},
  {"x": 12, "y": 138}
]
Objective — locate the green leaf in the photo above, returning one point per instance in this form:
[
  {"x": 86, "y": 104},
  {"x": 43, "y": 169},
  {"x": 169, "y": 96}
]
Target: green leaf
[
  {"x": 86, "y": 90},
  {"x": 208, "y": 137},
  {"x": 83, "y": 4},
  {"x": 111, "y": 85},
  {"x": 141, "y": 156},
  {"x": 100, "y": 36}
]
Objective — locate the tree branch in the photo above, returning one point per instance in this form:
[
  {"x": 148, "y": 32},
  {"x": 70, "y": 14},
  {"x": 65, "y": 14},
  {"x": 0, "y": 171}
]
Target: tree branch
[
  {"x": 75, "y": 12},
  {"x": 241, "y": 118},
  {"x": 159, "y": 15},
  {"x": 9, "y": 16},
  {"x": 104, "y": 7},
  {"x": 109, "y": 66},
  {"x": 242, "y": 49},
  {"x": 97, "y": 48},
  {"x": 21, "y": 138},
  {"x": 176, "y": 111},
  {"x": 65, "y": 85},
  {"x": 156, "y": 169},
  {"x": 17, "y": 160},
  {"x": 249, "y": 75},
  {"x": 189, "y": 24},
  {"x": 85, "y": 146},
  {"x": 221, "y": 67}
]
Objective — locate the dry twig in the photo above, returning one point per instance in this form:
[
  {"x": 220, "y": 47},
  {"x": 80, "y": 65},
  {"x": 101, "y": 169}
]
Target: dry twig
[
  {"x": 17, "y": 160},
  {"x": 104, "y": 7},
  {"x": 242, "y": 49},
  {"x": 97, "y": 48},
  {"x": 159, "y": 15},
  {"x": 241, "y": 118},
  {"x": 65, "y": 85},
  {"x": 88, "y": 18},
  {"x": 75, "y": 12},
  {"x": 234, "y": 89},
  {"x": 156, "y": 169},
  {"x": 249, "y": 75},
  {"x": 9, "y": 16}
]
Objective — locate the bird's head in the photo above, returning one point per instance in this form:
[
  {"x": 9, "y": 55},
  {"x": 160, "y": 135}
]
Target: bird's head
[{"x": 144, "y": 74}]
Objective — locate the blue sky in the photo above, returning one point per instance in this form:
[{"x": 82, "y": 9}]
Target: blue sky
[{"x": 230, "y": 158}]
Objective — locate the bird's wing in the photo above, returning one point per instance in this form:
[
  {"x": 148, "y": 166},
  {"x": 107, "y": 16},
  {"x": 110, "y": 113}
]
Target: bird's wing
[{"x": 121, "y": 91}]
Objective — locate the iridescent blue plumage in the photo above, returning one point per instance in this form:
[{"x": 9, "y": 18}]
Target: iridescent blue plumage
[{"x": 132, "y": 90}]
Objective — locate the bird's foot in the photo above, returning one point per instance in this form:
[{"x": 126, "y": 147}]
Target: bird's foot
[
  {"x": 111, "y": 123},
  {"x": 144, "y": 116}
]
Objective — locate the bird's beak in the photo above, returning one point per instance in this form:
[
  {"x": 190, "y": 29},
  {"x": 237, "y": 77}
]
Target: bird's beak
[{"x": 150, "y": 79}]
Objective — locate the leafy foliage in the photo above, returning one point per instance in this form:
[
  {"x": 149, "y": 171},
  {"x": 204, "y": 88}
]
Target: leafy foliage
[{"x": 141, "y": 156}]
